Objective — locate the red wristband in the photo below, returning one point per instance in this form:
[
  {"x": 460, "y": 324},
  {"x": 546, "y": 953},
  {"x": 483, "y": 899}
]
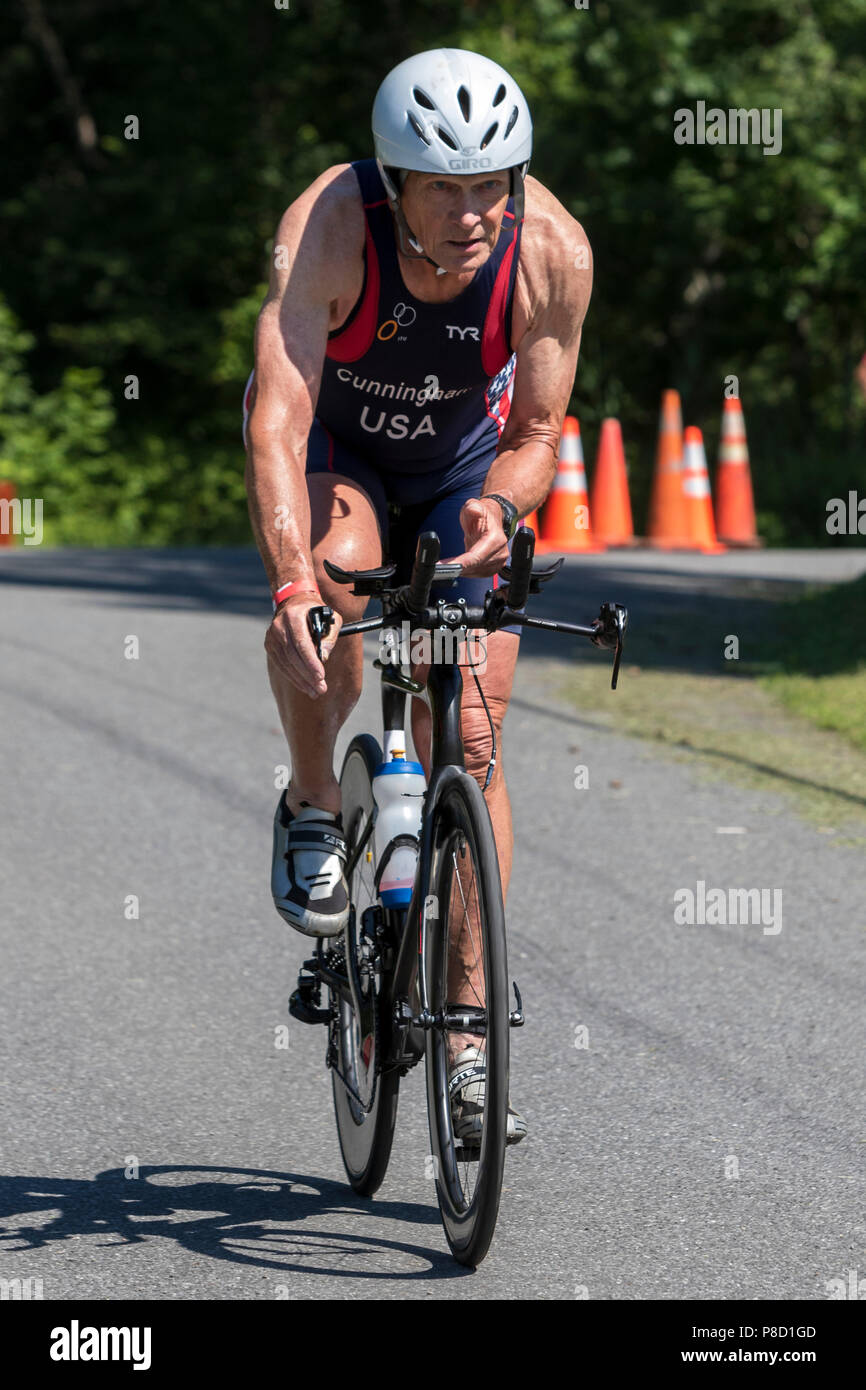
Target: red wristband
[{"x": 285, "y": 591}]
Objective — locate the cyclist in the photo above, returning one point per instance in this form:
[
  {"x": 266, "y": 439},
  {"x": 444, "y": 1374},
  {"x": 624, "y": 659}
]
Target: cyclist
[{"x": 414, "y": 358}]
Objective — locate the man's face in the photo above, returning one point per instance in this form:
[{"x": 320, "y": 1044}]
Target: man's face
[{"x": 456, "y": 217}]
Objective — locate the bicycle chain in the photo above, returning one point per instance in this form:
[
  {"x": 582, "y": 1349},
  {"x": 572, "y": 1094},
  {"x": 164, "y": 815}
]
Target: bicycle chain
[{"x": 366, "y": 1107}]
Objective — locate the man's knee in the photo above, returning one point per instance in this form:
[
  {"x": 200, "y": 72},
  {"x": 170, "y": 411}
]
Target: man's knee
[
  {"x": 344, "y": 530},
  {"x": 477, "y": 739}
]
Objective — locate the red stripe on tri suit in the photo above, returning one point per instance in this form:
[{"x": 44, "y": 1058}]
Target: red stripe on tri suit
[
  {"x": 349, "y": 346},
  {"x": 495, "y": 351}
]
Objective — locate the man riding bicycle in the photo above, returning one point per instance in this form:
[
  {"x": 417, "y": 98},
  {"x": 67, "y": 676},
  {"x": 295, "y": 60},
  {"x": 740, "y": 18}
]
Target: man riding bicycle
[{"x": 414, "y": 358}]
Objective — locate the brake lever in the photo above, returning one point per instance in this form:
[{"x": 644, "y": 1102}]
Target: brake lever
[
  {"x": 616, "y": 660},
  {"x": 611, "y": 624},
  {"x": 320, "y": 621}
]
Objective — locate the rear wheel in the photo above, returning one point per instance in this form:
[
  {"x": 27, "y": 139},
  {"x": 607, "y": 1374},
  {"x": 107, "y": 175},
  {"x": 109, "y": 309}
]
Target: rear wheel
[
  {"x": 467, "y": 981},
  {"x": 365, "y": 1101}
]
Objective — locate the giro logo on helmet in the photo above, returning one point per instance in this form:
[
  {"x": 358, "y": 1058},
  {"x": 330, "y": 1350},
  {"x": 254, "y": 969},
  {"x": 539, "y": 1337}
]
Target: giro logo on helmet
[{"x": 470, "y": 163}]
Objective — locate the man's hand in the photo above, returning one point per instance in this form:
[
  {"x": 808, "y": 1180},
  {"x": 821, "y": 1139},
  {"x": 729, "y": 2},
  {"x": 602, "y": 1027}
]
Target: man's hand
[
  {"x": 289, "y": 643},
  {"x": 486, "y": 547}
]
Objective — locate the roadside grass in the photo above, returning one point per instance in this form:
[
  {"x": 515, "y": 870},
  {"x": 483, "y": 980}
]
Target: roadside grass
[
  {"x": 791, "y": 718},
  {"x": 818, "y": 655}
]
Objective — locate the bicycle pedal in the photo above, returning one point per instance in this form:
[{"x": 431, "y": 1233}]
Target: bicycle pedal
[{"x": 304, "y": 1002}]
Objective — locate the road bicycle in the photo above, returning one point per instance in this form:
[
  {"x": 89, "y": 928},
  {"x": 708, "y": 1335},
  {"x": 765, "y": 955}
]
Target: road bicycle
[{"x": 398, "y": 990}]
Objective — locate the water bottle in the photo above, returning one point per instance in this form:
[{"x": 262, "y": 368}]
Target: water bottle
[{"x": 398, "y": 789}]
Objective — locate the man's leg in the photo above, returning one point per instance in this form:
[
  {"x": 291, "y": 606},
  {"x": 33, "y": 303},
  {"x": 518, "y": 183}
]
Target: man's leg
[{"x": 344, "y": 530}]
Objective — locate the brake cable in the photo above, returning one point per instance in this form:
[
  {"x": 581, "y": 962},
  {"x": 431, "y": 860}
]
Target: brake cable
[{"x": 492, "y": 763}]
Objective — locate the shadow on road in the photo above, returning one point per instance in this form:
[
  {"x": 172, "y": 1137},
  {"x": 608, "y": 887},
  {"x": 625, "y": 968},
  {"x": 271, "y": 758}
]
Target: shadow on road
[
  {"x": 286, "y": 1222},
  {"x": 678, "y": 619}
]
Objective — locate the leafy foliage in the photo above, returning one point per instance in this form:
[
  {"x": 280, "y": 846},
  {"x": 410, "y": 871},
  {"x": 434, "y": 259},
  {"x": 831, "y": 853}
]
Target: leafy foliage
[{"x": 147, "y": 256}]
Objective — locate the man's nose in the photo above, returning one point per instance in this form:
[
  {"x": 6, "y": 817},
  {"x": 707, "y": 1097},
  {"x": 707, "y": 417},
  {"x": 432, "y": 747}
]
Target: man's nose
[{"x": 466, "y": 213}]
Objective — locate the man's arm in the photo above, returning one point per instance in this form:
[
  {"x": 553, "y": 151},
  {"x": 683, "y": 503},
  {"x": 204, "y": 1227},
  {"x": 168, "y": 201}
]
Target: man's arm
[
  {"x": 554, "y": 283},
  {"x": 317, "y": 264},
  {"x": 558, "y": 285}
]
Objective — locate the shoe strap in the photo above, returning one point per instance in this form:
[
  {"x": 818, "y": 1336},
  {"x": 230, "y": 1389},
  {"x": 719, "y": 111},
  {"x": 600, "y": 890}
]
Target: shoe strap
[
  {"x": 459, "y": 1078},
  {"x": 305, "y": 835}
]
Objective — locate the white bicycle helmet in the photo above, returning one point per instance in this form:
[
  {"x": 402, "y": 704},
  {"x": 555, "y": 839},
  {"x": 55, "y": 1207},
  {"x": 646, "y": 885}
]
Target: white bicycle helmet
[{"x": 450, "y": 111}]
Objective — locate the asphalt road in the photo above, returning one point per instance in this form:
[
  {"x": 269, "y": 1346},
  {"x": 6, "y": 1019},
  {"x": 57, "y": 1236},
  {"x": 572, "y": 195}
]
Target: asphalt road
[{"x": 705, "y": 1143}]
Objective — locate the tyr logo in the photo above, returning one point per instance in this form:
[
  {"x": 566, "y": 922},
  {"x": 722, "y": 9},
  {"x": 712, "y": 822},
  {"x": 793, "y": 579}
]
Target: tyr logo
[{"x": 452, "y": 329}]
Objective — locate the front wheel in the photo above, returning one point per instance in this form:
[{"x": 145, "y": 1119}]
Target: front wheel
[
  {"x": 467, "y": 982},
  {"x": 365, "y": 1098}
]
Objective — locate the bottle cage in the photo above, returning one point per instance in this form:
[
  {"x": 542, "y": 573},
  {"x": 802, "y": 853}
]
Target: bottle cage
[{"x": 399, "y": 842}]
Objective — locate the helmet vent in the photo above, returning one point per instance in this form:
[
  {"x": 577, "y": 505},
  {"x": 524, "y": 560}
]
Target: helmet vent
[
  {"x": 465, "y": 102},
  {"x": 489, "y": 136},
  {"x": 418, "y": 128},
  {"x": 422, "y": 99},
  {"x": 446, "y": 138},
  {"x": 511, "y": 120},
  {"x": 500, "y": 94}
]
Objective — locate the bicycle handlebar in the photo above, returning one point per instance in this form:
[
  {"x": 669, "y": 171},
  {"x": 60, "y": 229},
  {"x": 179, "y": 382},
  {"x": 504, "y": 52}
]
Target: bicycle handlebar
[
  {"x": 423, "y": 571},
  {"x": 502, "y": 606}
]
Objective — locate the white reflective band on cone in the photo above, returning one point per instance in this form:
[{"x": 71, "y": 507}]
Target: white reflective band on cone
[
  {"x": 733, "y": 451},
  {"x": 696, "y": 485},
  {"x": 570, "y": 449}
]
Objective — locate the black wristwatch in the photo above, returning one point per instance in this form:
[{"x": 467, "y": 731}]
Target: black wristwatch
[{"x": 509, "y": 513}]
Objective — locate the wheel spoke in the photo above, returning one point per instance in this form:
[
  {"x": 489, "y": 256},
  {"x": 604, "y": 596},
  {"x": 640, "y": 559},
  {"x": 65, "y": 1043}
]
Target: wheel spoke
[{"x": 465, "y": 974}]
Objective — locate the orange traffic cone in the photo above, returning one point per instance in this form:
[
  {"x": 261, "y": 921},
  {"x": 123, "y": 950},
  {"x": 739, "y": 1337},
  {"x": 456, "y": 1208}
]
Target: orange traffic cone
[
  {"x": 609, "y": 503},
  {"x": 666, "y": 529},
  {"x": 696, "y": 491},
  {"x": 532, "y": 521},
  {"x": 565, "y": 519},
  {"x": 7, "y": 495},
  {"x": 735, "y": 505}
]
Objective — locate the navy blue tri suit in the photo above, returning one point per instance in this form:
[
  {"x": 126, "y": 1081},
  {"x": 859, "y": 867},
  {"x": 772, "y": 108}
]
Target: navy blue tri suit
[{"x": 414, "y": 396}]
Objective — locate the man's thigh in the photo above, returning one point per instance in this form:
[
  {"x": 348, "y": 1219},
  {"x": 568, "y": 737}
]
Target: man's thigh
[{"x": 344, "y": 491}]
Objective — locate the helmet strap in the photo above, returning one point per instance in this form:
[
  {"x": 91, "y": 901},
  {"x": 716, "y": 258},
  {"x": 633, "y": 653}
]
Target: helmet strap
[
  {"x": 518, "y": 175},
  {"x": 410, "y": 247}
]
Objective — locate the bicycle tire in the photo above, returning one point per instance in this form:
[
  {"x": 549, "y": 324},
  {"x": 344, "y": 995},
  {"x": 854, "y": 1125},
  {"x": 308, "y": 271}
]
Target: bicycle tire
[
  {"x": 460, "y": 815},
  {"x": 365, "y": 1138}
]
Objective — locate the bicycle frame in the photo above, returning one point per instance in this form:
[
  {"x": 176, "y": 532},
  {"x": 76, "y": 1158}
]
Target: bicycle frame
[{"x": 442, "y": 693}]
